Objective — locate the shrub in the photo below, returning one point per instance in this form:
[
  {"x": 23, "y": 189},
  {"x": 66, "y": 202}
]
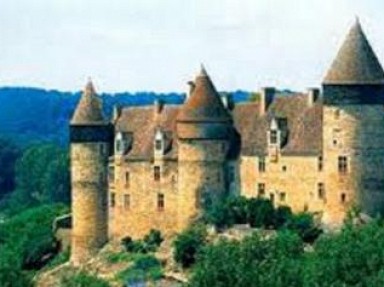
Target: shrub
[
  {"x": 188, "y": 244},
  {"x": 260, "y": 212},
  {"x": 144, "y": 268},
  {"x": 82, "y": 279},
  {"x": 283, "y": 214},
  {"x": 153, "y": 239},
  {"x": 303, "y": 224}
]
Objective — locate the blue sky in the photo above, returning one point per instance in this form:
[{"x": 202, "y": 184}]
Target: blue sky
[{"x": 131, "y": 45}]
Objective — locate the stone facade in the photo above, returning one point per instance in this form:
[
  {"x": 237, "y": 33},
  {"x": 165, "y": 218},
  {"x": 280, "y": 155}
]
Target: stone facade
[{"x": 317, "y": 153}]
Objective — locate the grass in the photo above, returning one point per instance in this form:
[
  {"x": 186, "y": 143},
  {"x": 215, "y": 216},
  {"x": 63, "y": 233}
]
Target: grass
[
  {"x": 114, "y": 258},
  {"x": 144, "y": 268}
]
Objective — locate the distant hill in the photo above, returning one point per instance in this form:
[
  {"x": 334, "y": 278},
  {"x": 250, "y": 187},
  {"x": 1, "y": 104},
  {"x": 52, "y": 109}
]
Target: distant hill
[{"x": 29, "y": 115}]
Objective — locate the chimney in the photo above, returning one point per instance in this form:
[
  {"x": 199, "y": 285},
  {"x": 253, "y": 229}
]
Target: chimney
[
  {"x": 313, "y": 95},
  {"x": 191, "y": 88},
  {"x": 158, "y": 106},
  {"x": 266, "y": 98},
  {"x": 116, "y": 112}
]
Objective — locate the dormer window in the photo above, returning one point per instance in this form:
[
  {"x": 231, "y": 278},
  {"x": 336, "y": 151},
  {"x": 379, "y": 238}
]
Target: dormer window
[
  {"x": 122, "y": 143},
  {"x": 273, "y": 137},
  {"x": 159, "y": 144}
]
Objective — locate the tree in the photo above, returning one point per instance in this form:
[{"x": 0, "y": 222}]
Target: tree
[
  {"x": 9, "y": 153},
  {"x": 188, "y": 244}
]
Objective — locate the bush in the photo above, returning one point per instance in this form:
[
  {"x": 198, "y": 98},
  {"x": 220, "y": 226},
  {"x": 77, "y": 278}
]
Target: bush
[
  {"x": 283, "y": 214},
  {"x": 188, "y": 244},
  {"x": 82, "y": 279},
  {"x": 144, "y": 268},
  {"x": 153, "y": 239},
  {"x": 260, "y": 212},
  {"x": 303, "y": 224}
]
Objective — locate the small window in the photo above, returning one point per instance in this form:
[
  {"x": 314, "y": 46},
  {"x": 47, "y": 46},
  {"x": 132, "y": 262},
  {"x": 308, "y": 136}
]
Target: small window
[
  {"x": 284, "y": 168},
  {"x": 343, "y": 198},
  {"x": 112, "y": 199},
  {"x": 160, "y": 202},
  {"x": 337, "y": 114},
  {"x": 272, "y": 197},
  {"x": 273, "y": 137},
  {"x": 127, "y": 179},
  {"x": 156, "y": 173},
  {"x": 335, "y": 142},
  {"x": 158, "y": 145},
  {"x": 320, "y": 190},
  {"x": 119, "y": 146},
  {"x": 127, "y": 201},
  {"x": 102, "y": 149},
  {"x": 282, "y": 196},
  {"x": 343, "y": 164},
  {"x": 261, "y": 189},
  {"x": 261, "y": 164},
  {"x": 320, "y": 163}
]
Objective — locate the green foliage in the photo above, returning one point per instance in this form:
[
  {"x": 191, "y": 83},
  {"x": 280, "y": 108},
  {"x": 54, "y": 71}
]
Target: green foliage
[
  {"x": 9, "y": 153},
  {"x": 188, "y": 244},
  {"x": 145, "y": 268},
  {"x": 282, "y": 216},
  {"x": 251, "y": 262},
  {"x": 82, "y": 279},
  {"x": 260, "y": 212},
  {"x": 303, "y": 225},
  {"x": 42, "y": 177},
  {"x": 254, "y": 97},
  {"x": 25, "y": 239},
  {"x": 150, "y": 243}
]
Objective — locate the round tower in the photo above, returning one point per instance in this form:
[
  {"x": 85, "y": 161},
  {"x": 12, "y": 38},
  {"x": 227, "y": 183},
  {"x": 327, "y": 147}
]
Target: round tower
[
  {"x": 204, "y": 130},
  {"x": 90, "y": 145},
  {"x": 353, "y": 129}
]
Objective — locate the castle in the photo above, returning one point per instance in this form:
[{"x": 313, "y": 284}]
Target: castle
[{"x": 153, "y": 167}]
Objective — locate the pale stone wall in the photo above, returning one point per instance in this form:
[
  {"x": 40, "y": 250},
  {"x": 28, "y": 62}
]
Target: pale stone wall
[
  {"x": 143, "y": 214},
  {"x": 201, "y": 176},
  {"x": 89, "y": 199},
  {"x": 355, "y": 131},
  {"x": 295, "y": 176}
]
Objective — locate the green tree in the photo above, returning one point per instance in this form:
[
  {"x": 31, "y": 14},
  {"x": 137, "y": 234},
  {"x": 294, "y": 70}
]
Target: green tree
[
  {"x": 188, "y": 244},
  {"x": 9, "y": 153}
]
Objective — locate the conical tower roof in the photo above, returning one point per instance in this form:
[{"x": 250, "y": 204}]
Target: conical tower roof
[
  {"x": 356, "y": 62},
  {"x": 204, "y": 104},
  {"x": 89, "y": 110}
]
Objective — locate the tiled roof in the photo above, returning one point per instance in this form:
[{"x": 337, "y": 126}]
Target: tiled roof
[
  {"x": 204, "y": 103},
  {"x": 304, "y": 125},
  {"x": 89, "y": 109},
  {"x": 356, "y": 62}
]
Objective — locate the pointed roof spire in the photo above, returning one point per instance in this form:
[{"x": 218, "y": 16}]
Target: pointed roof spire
[
  {"x": 204, "y": 103},
  {"x": 356, "y": 62},
  {"x": 89, "y": 108}
]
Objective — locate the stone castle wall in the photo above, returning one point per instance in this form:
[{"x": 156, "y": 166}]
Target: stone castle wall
[
  {"x": 356, "y": 132},
  {"x": 89, "y": 199}
]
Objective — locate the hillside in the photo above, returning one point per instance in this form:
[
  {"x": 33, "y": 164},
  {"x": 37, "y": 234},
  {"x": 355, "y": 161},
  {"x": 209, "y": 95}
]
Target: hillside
[{"x": 29, "y": 115}]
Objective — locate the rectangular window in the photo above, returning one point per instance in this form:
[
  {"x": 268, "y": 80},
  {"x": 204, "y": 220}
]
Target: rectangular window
[
  {"x": 156, "y": 173},
  {"x": 127, "y": 201},
  {"x": 320, "y": 163},
  {"x": 282, "y": 196},
  {"x": 160, "y": 202},
  {"x": 261, "y": 189},
  {"x": 320, "y": 190},
  {"x": 112, "y": 199},
  {"x": 343, "y": 198},
  {"x": 343, "y": 164},
  {"x": 158, "y": 145},
  {"x": 273, "y": 137},
  {"x": 261, "y": 164},
  {"x": 272, "y": 197},
  {"x": 127, "y": 179}
]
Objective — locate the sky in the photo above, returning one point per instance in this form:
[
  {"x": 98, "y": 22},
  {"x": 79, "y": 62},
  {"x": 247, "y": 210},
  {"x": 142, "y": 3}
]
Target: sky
[{"x": 158, "y": 45}]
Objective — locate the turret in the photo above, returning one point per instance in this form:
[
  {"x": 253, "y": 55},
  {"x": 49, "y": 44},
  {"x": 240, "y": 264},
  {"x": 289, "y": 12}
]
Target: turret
[
  {"x": 90, "y": 136},
  {"x": 353, "y": 129},
  {"x": 204, "y": 130}
]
